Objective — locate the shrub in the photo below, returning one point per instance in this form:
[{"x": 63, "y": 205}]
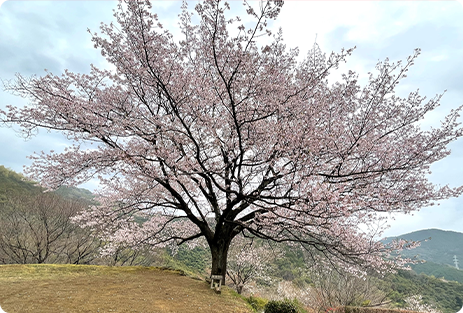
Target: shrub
[
  {"x": 280, "y": 307},
  {"x": 258, "y": 304},
  {"x": 285, "y": 306},
  {"x": 365, "y": 303}
]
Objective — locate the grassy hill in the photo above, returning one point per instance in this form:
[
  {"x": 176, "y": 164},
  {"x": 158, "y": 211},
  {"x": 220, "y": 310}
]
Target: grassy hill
[{"x": 84, "y": 288}]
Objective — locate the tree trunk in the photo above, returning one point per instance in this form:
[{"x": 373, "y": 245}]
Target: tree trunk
[
  {"x": 239, "y": 288},
  {"x": 219, "y": 253}
]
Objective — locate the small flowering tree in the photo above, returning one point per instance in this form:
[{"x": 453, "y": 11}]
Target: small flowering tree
[
  {"x": 248, "y": 262},
  {"x": 415, "y": 303},
  {"x": 334, "y": 287},
  {"x": 215, "y": 136}
]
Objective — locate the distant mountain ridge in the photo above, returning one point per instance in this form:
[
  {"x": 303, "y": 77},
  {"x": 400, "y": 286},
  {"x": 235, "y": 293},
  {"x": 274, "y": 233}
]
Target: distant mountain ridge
[{"x": 438, "y": 248}]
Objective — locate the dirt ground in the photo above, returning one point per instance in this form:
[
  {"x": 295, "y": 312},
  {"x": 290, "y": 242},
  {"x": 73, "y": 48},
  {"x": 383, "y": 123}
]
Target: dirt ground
[{"x": 73, "y": 288}]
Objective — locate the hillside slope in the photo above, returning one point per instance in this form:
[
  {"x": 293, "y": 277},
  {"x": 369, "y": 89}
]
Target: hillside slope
[
  {"x": 14, "y": 183},
  {"x": 444, "y": 271},
  {"x": 84, "y": 288},
  {"x": 446, "y": 296}
]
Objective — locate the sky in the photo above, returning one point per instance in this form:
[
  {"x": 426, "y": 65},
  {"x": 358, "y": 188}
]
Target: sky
[{"x": 52, "y": 35}]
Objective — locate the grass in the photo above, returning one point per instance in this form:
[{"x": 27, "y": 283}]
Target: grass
[{"x": 86, "y": 288}]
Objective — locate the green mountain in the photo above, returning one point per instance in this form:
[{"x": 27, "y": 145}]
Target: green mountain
[
  {"x": 437, "y": 250},
  {"x": 14, "y": 183},
  {"x": 437, "y": 246}
]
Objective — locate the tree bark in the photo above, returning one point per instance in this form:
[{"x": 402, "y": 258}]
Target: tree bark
[
  {"x": 239, "y": 288},
  {"x": 219, "y": 253}
]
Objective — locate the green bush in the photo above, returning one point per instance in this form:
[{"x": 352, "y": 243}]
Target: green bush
[
  {"x": 365, "y": 303},
  {"x": 285, "y": 306},
  {"x": 280, "y": 307},
  {"x": 258, "y": 304}
]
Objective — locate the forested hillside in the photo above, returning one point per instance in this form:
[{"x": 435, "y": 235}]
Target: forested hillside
[
  {"x": 36, "y": 227},
  {"x": 75, "y": 193},
  {"x": 445, "y": 296},
  {"x": 436, "y": 253},
  {"x": 443, "y": 271}
]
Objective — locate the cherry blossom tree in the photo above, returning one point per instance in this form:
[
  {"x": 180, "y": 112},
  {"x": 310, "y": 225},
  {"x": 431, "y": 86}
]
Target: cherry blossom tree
[{"x": 221, "y": 134}]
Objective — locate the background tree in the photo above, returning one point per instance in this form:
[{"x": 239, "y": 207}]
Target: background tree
[
  {"x": 37, "y": 228},
  {"x": 216, "y": 135},
  {"x": 334, "y": 287},
  {"x": 249, "y": 261},
  {"x": 414, "y": 303},
  {"x": 80, "y": 246}
]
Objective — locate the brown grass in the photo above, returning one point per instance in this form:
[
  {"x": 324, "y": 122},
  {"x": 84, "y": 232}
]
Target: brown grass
[{"x": 81, "y": 288}]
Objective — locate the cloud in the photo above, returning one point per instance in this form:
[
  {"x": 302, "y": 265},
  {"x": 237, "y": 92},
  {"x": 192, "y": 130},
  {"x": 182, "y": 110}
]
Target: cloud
[
  {"x": 43, "y": 35},
  {"x": 38, "y": 35},
  {"x": 446, "y": 216},
  {"x": 16, "y": 155}
]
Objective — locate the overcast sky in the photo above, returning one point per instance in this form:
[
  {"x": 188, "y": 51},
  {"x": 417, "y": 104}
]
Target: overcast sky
[{"x": 38, "y": 35}]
